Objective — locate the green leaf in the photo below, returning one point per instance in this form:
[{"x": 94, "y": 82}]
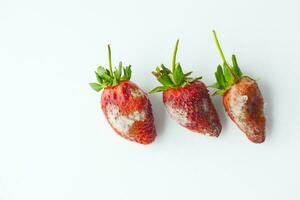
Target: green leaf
[
  {"x": 95, "y": 86},
  {"x": 104, "y": 74},
  {"x": 101, "y": 70},
  {"x": 157, "y": 70},
  {"x": 115, "y": 81},
  {"x": 187, "y": 74},
  {"x": 99, "y": 79},
  {"x": 124, "y": 77},
  {"x": 165, "y": 70},
  {"x": 215, "y": 85},
  {"x": 120, "y": 67},
  {"x": 126, "y": 73},
  {"x": 106, "y": 77},
  {"x": 119, "y": 71},
  {"x": 220, "y": 92},
  {"x": 197, "y": 78},
  {"x": 235, "y": 67},
  {"x": 117, "y": 75},
  {"x": 174, "y": 78},
  {"x": 165, "y": 80},
  {"x": 189, "y": 79},
  {"x": 128, "y": 69},
  {"x": 159, "y": 89},
  {"x": 171, "y": 77},
  {"x": 220, "y": 77},
  {"x": 229, "y": 77},
  {"x": 178, "y": 75}
]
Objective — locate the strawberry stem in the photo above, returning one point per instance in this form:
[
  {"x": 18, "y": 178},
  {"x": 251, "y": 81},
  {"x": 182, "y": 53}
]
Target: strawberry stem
[
  {"x": 174, "y": 56},
  {"x": 109, "y": 61},
  {"x": 219, "y": 47}
]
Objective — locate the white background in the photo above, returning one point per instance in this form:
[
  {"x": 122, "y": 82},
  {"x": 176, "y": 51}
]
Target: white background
[{"x": 56, "y": 144}]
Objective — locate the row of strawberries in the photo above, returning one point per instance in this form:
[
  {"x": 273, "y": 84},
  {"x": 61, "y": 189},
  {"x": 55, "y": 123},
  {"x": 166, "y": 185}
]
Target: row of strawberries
[{"x": 128, "y": 109}]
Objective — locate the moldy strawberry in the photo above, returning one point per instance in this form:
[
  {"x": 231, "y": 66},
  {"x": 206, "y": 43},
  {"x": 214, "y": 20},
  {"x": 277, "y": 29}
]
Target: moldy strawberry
[
  {"x": 242, "y": 98},
  {"x": 126, "y": 107},
  {"x": 187, "y": 99}
]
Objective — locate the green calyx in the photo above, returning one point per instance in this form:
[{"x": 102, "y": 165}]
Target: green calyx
[
  {"x": 108, "y": 77},
  {"x": 226, "y": 75},
  {"x": 174, "y": 78}
]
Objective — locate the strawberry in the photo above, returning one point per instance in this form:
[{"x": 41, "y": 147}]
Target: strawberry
[
  {"x": 242, "y": 98},
  {"x": 125, "y": 106},
  {"x": 187, "y": 99}
]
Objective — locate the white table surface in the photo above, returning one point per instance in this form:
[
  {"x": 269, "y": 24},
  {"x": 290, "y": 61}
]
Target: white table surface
[{"x": 56, "y": 144}]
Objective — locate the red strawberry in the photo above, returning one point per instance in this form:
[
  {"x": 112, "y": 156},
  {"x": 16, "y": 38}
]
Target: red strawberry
[
  {"x": 242, "y": 98},
  {"x": 125, "y": 106},
  {"x": 187, "y": 100}
]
